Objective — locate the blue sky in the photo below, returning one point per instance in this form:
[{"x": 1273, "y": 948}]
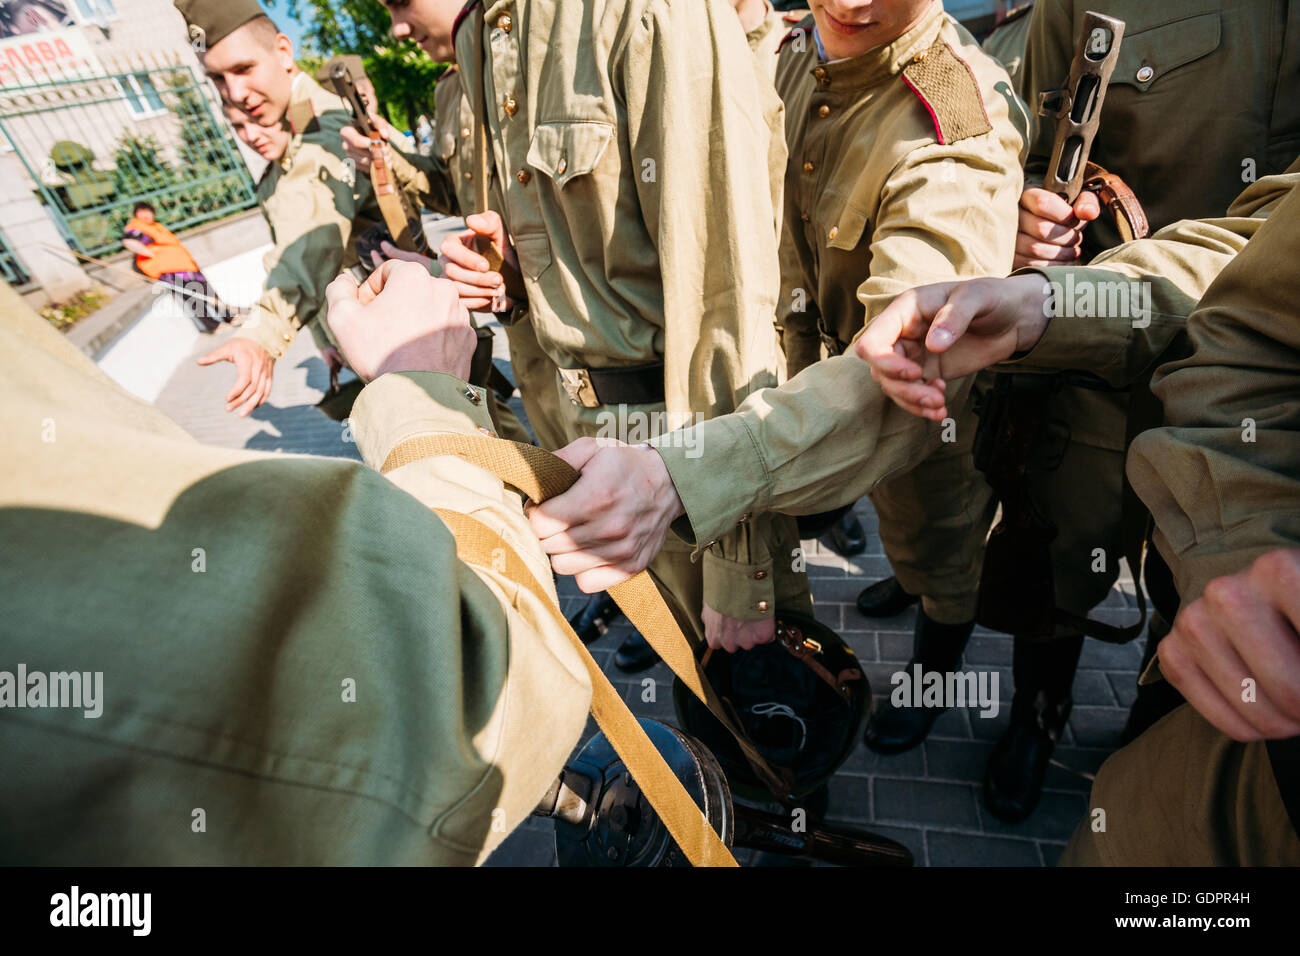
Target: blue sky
[{"x": 291, "y": 27}]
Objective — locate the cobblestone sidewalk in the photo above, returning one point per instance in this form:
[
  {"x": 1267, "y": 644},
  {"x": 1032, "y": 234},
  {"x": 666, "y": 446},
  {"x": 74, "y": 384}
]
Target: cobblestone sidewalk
[{"x": 928, "y": 799}]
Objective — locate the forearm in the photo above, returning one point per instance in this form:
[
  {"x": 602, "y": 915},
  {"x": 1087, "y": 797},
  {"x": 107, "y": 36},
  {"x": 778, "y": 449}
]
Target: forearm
[{"x": 823, "y": 439}]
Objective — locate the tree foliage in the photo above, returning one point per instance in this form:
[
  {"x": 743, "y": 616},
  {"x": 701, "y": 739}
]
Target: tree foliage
[{"x": 403, "y": 76}]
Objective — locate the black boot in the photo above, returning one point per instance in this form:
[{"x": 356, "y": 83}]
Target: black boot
[
  {"x": 936, "y": 647},
  {"x": 595, "y": 618},
  {"x": 885, "y": 599},
  {"x": 635, "y": 655},
  {"x": 1044, "y": 673},
  {"x": 846, "y": 537}
]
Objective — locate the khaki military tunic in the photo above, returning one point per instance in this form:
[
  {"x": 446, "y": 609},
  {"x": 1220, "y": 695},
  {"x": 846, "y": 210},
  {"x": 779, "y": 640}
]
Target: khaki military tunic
[
  {"x": 766, "y": 38},
  {"x": 904, "y": 170},
  {"x": 624, "y": 143},
  {"x": 297, "y": 669},
  {"x": 315, "y": 207},
  {"x": 1198, "y": 91},
  {"x": 1183, "y": 793}
]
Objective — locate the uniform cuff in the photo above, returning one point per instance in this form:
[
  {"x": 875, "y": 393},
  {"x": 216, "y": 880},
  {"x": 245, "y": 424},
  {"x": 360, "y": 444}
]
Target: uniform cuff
[
  {"x": 1076, "y": 338},
  {"x": 401, "y": 405},
  {"x": 716, "y": 498},
  {"x": 743, "y": 591},
  {"x": 268, "y": 331}
]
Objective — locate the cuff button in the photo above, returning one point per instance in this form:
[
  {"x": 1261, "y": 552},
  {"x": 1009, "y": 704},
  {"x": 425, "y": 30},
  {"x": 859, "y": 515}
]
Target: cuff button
[
  {"x": 760, "y": 575},
  {"x": 762, "y": 606}
]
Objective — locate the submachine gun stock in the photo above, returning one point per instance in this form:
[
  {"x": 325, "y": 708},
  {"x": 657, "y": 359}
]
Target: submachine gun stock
[{"x": 402, "y": 221}]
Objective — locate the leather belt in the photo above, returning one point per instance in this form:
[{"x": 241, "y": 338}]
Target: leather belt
[{"x": 631, "y": 385}]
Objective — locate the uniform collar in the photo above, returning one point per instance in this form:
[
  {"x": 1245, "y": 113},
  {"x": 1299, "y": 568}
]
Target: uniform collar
[
  {"x": 883, "y": 62},
  {"x": 461, "y": 17}
]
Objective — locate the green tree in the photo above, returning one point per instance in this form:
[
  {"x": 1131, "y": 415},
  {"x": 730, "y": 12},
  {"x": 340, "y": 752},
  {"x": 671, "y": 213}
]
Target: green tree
[{"x": 403, "y": 76}]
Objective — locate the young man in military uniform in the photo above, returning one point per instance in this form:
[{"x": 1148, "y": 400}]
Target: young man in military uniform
[
  {"x": 905, "y": 146},
  {"x": 644, "y": 234},
  {"x": 1200, "y": 536},
  {"x": 311, "y": 200},
  {"x": 289, "y": 691}
]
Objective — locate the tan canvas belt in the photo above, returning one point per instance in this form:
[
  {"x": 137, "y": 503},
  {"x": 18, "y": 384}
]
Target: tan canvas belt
[{"x": 541, "y": 475}]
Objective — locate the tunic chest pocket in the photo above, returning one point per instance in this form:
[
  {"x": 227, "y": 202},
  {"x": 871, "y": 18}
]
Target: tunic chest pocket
[
  {"x": 846, "y": 229},
  {"x": 562, "y": 152},
  {"x": 1146, "y": 56}
]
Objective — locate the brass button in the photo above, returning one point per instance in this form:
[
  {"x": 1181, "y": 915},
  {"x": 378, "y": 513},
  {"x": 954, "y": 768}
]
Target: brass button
[
  {"x": 464, "y": 131},
  {"x": 759, "y": 575},
  {"x": 487, "y": 431},
  {"x": 504, "y": 22},
  {"x": 474, "y": 397},
  {"x": 468, "y": 174},
  {"x": 835, "y": 231},
  {"x": 561, "y": 166},
  {"x": 808, "y": 166},
  {"x": 1145, "y": 73},
  {"x": 511, "y": 106},
  {"x": 523, "y": 176},
  {"x": 821, "y": 75},
  {"x": 805, "y": 217},
  {"x": 823, "y": 111},
  {"x": 762, "y": 605},
  {"x": 287, "y": 337}
]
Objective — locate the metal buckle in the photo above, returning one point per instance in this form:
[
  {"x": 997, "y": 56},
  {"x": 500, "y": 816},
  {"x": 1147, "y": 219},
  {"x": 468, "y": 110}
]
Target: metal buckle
[
  {"x": 577, "y": 383},
  {"x": 792, "y": 638}
]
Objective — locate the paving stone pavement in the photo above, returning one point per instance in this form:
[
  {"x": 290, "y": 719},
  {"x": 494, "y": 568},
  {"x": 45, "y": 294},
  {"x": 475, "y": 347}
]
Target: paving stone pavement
[{"x": 929, "y": 799}]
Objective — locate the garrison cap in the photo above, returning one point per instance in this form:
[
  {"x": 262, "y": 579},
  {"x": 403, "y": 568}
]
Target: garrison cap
[
  {"x": 353, "y": 62},
  {"x": 213, "y": 20}
]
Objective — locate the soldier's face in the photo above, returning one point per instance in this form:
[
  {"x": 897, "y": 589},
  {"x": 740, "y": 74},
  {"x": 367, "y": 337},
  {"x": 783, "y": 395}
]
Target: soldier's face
[
  {"x": 253, "y": 72},
  {"x": 428, "y": 23},
  {"x": 853, "y": 27},
  {"x": 269, "y": 142}
]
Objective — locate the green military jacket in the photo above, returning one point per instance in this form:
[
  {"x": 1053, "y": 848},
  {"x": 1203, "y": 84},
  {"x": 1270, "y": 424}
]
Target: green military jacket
[
  {"x": 1200, "y": 104},
  {"x": 1165, "y": 275},
  {"x": 904, "y": 169},
  {"x": 829, "y": 435},
  {"x": 1006, "y": 42},
  {"x": 315, "y": 206},
  {"x": 296, "y": 667},
  {"x": 1222, "y": 478}
]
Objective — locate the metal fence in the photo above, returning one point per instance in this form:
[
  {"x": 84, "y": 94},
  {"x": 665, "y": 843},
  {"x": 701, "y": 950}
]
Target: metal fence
[
  {"x": 11, "y": 267},
  {"x": 135, "y": 129}
]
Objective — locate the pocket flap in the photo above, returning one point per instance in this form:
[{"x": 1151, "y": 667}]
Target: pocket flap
[
  {"x": 565, "y": 150},
  {"x": 1146, "y": 56},
  {"x": 846, "y": 230}
]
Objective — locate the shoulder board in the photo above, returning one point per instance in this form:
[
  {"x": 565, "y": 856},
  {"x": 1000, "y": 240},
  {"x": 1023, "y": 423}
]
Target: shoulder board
[
  {"x": 804, "y": 24},
  {"x": 460, "y": 17},
  {"x": 1014, "y": 15},
  {"x": 948, "y": 90}
]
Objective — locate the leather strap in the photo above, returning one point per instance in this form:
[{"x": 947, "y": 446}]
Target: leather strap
[
  {"x": 477, "y": 544},
  {"x": 1119, "y": 200}
]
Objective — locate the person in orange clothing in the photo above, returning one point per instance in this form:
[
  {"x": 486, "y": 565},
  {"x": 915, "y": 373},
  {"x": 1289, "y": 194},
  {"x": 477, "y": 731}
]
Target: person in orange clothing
[{"x": 160, "y": 256}]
